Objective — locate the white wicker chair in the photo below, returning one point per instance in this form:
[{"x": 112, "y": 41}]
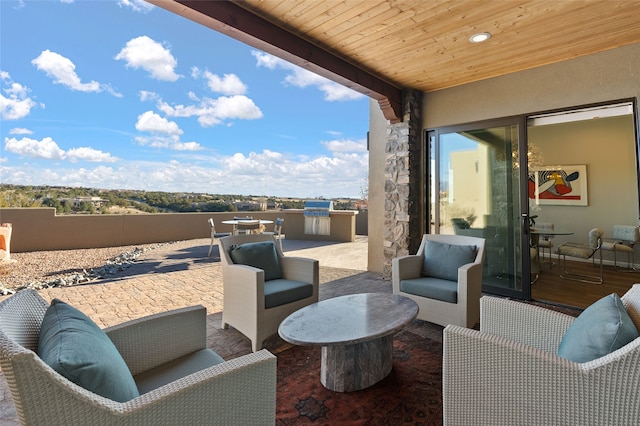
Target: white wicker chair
[
  {"x": 466, "y": 311},
  {"x": 238, "y": 391},
  {"x": 244, "y": 290},
  {"x": 509, "y": 373}
]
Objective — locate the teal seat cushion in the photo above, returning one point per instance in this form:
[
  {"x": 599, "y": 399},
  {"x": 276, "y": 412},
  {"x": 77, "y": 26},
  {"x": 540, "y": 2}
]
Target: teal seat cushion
[
  {"x": 176, "y": 369},
  {"x": 74, "y": 346},
  {"x": 280, "y": 292},
  {"x": 431, "y": 288},
  {"x": 261, "y": 255},
  {"x": 600, "y": 329},
  {"x": 442, "y": 260}
]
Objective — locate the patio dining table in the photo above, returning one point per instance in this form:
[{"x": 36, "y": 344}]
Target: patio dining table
[{"x": 235, "y": 222}]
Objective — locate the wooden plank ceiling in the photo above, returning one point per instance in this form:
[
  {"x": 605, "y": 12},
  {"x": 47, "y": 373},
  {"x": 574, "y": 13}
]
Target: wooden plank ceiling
[{"x": 424, "y": 44}]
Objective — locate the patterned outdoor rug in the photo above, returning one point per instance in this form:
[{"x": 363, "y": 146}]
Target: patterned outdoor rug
[{"x": 410, "y": 394}]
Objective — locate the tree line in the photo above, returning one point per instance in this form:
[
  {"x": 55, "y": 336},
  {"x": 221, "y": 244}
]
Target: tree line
[{"x": 70, "y": 200}]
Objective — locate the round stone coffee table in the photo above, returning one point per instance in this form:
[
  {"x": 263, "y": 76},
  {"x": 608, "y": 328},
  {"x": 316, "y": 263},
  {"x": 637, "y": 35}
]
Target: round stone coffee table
[{"x": 356, "y": 334}]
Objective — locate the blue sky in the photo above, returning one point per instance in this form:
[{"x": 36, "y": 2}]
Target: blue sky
[{"x": 119, "y": 94}]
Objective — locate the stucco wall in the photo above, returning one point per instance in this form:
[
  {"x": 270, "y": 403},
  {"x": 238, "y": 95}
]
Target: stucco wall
[
  {"x": 40, "y": 229},
  {"x": 377, "y": 161},
  {"x": 604, "y": 76}
]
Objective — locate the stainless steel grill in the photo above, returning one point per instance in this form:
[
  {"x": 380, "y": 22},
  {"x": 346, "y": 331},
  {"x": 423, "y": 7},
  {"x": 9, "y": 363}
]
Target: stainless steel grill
[{"x": 317, "y": 217}]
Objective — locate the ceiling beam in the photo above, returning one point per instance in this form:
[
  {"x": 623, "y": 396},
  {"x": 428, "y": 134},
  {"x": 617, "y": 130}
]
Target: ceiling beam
[{"x": 243, "y": 25}]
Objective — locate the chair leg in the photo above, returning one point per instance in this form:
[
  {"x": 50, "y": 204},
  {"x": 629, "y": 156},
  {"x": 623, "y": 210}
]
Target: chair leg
[
  {"x": 211, "y": 247},
  {"x": 591, "y": 279},
  {"x": 631, "y": 262}
]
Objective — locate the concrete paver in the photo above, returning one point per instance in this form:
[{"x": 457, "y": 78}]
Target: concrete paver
[{"x": 181, "y": 274}]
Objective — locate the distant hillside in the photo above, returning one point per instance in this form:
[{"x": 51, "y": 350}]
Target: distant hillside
[{"x": 68, "y": 200}]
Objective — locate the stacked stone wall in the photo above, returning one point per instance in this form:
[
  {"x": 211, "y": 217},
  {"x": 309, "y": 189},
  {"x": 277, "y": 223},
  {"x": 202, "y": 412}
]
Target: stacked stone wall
[{"x": 403, "y": 180}]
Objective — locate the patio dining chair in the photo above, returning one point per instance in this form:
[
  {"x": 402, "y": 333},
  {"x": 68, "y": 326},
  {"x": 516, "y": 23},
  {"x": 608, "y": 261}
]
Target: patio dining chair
[
  {"x": 248, "y": 227},
  {"x": 277, "y": 231},
  {"x": 215, "y": 235}
]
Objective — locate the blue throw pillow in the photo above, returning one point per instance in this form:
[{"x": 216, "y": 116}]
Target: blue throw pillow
[
  {"x": 442, "y": 260},
  {"x": 599, "y": 330},
  {"x": 261, "y": 255},
  {"x": 73, "y": 345}
]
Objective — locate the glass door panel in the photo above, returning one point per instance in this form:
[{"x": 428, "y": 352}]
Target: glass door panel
[{"x": 475, "y": 188}]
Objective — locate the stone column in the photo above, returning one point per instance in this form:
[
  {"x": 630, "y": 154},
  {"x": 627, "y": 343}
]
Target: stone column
[{"x": 403, "y": 180}]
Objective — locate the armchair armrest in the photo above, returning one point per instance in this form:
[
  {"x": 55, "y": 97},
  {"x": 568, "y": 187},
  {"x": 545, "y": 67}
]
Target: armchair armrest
[
  {"x": 238, "y": 391},
  {"x": 244, "y": 286},
  {"x": 153, "y": 340},
  {"x": 301, "y": 269},
  {"x": 404, "y": 268},
  {"x": 524, "y": 323}
]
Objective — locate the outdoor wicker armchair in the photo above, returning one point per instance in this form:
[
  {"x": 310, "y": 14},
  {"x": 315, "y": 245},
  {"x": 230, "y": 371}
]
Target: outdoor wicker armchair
[
  {"x": 238, "y": 391},
  {"x": 265, "y": 286},
  {"x": 510, "y": 372}
]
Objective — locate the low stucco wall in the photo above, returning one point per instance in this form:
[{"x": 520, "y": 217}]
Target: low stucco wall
[
  {"x": 40, "y": 229},
  {"x": 36, "y": 229}
]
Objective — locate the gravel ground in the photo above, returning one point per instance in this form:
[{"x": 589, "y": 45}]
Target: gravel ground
[{"x": 47, "y": 267}]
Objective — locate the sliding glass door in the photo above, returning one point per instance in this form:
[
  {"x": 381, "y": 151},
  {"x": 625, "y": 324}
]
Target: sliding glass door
[{"x": 478, "y": 187}]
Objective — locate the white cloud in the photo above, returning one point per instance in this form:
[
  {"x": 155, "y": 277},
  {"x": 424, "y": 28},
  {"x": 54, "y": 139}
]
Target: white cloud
[
  {"x": 16, "y": 104},
  {"x": 346, "y": 145},
  {"x": 145, "y": 95},
  {"x": 20, "y": 131},
  {"x": 62, "y": 71},
  {"x": 187, "y": 146},
  {"x": 167, "y": 142},
  {"x": 151, "y": 122},
  {"x": 164, "y": 133},
  {"x": 211, "y": 112},
  {"x": 336, "y": 175},
  {"x": 229, "y": 84},
  {"x": 299, "y": 77},
  {"x": 151, "y": 56},
  {"x": 136, "y": 5},
  {"x": 89, "y": 154},
  {"x": 48, "y": 149},
  {"x": 27, "y": 147}
]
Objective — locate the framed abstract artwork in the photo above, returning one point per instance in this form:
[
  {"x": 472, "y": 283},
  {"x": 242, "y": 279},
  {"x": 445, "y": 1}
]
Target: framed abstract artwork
[{"x": 558, "y": 185}]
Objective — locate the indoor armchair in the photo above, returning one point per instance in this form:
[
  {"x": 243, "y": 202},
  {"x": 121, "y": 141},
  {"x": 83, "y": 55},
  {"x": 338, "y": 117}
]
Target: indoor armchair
[{"x": 262, "y": 286}]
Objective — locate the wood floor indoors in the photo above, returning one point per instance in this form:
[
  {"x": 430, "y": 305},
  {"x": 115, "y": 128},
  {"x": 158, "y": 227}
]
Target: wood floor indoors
[{"x": 552, "y": 288}]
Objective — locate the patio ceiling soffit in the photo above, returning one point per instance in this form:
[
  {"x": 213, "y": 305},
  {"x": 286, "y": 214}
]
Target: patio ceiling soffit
[{"x": 249, "y": 28}]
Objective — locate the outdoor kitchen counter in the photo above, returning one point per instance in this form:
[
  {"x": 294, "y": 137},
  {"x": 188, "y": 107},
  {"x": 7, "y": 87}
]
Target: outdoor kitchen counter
[{"x": 342, "y": 227}]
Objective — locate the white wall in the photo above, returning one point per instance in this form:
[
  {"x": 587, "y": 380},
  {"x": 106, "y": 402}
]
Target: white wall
[{"x": 606, "y": 146}]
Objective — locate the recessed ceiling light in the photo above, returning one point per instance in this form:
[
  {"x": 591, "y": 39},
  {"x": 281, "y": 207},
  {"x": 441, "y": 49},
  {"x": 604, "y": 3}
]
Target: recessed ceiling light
[{"x": 480, "y": 37}]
